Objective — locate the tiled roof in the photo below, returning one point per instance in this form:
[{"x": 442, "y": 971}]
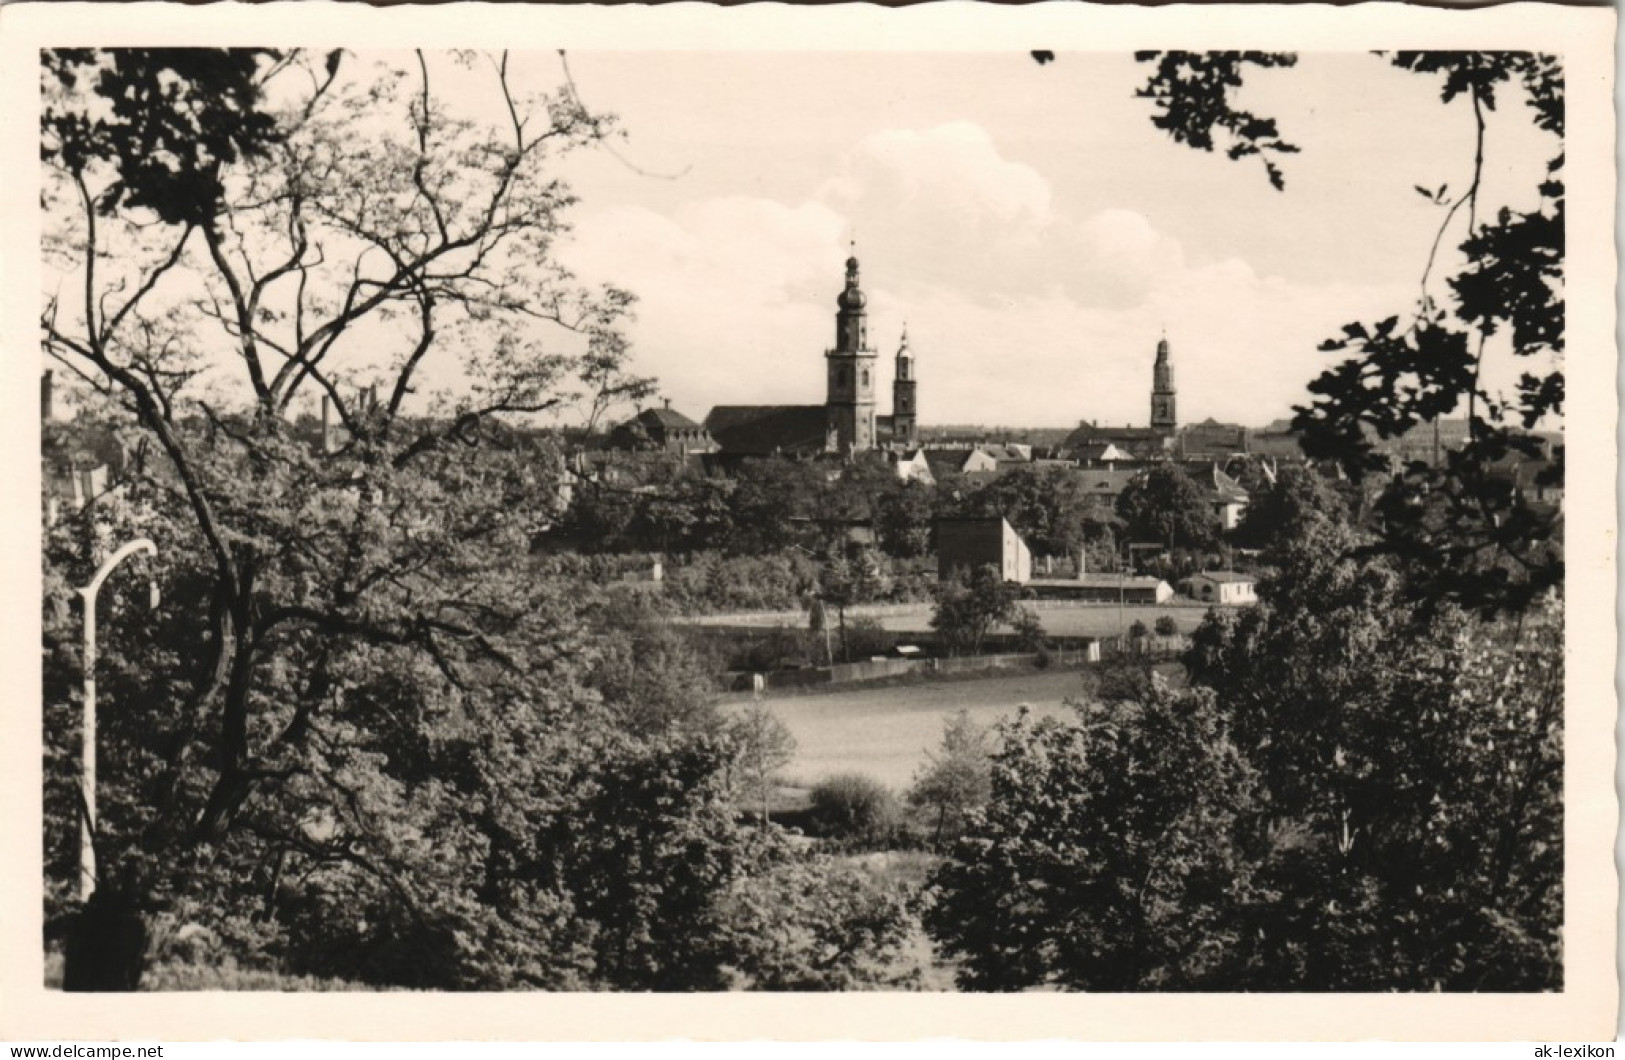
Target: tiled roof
[
  {"x": 670, "y": 419},
  {"x": 1226, "y": 576},
  {"x": 1102, "y": 480},
  {"x": 766, "y": 429},
  {"x": 1100, "y": 451},
  {"x": 1138, "y": 437},
  {"x": 1105, "y": 581}
]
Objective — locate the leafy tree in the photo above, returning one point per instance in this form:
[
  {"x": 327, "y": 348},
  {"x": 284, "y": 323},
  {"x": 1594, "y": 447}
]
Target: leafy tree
[
  {"x": 1192, "y": 93},
  {"x": 1166, "y": 626},
  {"x": 1029, "y": 629},
  {"x": 850, "y": 575},
  {"x": 650, "y": 673},
  {"x": 1382, "y": 797},
  {"x": 970, "y": 605},
  {"x": 765, "y": 746},
  {"x": 1089, "y": 869},
  {"x": 1411, "y": 759},
  {"x": 711, "y": 582},
  {"x": 177, "y": 119},
  {"x": 655, "y": 505},
  {"x": 769, "y": 498},
  {"x": 813, "y": 923},
  {"x": 1460, "y": 531},
  {"x": 359, "y": 740},
  {"x": 1287, "y": 509},
  {"x": 681, "y": 512},
  {"x": 644, "y": 857},
  {"x": 955, "y": 779},
  {"x": 903, "y": 518},
  {"x": 1048, "y": 507},
  {"x": 855, "y": 493},
  {"x": 1167, "y": 507}
]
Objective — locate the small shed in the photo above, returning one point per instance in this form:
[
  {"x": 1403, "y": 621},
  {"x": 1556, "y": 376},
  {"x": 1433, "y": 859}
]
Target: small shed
[{"x": 1224, "y": 587}]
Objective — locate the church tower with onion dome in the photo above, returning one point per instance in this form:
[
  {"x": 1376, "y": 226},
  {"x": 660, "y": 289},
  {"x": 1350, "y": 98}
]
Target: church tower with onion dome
[
  {"x": 1162, "y": 390},
  {"x": 851, "y": 363}
]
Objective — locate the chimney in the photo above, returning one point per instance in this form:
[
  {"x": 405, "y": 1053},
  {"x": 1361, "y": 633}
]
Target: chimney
[
  {"x": 47, "y": 398},
  {"x": 668, "y": 403}
]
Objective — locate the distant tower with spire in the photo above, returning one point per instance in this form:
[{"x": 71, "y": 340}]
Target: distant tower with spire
[
  {"x": 851, "y": 364},
  {"x": 904, "y": 407},
  {"x": 1162, "y": 390}
]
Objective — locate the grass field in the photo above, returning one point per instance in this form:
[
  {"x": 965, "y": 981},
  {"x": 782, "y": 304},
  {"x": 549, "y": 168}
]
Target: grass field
[{"x": 886, "y": 732}]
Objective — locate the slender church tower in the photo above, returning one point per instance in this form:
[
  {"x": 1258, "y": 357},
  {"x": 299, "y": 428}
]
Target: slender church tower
[
  {"x": 851, "y": 401},
  {"x": 1162, "y": 391},
  {"x": 905, "y": 429}
]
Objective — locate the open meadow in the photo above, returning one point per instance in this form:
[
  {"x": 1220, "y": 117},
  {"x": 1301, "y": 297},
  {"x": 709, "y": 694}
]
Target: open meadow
[{"x": 885, "y": 733}]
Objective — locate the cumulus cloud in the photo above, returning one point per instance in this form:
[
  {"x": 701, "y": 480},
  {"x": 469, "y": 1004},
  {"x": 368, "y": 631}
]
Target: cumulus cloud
[
  {"x": 1018, "y": 314},
  {"x": 953, "y": 171}
]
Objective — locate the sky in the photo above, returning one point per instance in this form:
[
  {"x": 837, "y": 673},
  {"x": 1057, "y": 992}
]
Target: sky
[
  {"x": 1033, "y": 230},
  {"x": 1027, "y": 223}
]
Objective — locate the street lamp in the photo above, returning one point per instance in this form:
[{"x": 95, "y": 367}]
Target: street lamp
[{"x": 87, "y": 824}]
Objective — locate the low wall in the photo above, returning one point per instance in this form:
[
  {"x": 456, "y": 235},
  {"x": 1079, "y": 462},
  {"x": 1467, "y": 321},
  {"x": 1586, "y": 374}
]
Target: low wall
[
  {"x": 960, "y": 664},
  {"x": 875, "y": 669},
  {"x": 881, "y": 669}
]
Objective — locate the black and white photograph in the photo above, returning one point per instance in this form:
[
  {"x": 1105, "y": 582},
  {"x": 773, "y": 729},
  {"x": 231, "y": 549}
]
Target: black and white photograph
[{"x": 921, "y": 515}]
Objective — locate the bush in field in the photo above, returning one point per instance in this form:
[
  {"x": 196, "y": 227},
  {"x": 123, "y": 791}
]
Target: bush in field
[
  {"x": 1138, "y": 630},
  {"x": 1166, "y": 626},
  {"x": 854, "y": 808}
]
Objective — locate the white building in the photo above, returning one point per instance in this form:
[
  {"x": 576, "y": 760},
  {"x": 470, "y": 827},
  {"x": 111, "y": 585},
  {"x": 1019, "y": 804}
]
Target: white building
[{"x": 1226, "y": 588}]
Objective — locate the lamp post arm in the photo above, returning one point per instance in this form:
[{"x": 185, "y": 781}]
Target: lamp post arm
[{"x": 140, "y": 544}]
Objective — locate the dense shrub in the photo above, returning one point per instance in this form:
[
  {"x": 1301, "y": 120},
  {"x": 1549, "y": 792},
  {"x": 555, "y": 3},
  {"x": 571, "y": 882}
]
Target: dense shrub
[
  {"x": 866, "y": 637},
  {"x": 818, "y": 923},
  {"x": 710, "y": 582},
  {"x": 855, "y": 809},
  {"x": 777, "y": 648}
]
